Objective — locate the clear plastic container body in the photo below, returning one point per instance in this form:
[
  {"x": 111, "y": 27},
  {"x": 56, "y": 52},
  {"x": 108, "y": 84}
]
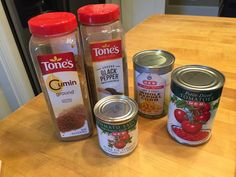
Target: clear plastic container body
[
  {"x": 60, "y": 70},
  {"x": 107, "y": 73}
]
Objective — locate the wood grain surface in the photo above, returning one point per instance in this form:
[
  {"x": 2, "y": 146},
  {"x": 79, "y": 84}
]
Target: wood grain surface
[{"x": 29, "y": 148}]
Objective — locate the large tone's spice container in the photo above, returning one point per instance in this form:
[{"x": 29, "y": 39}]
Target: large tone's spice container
[
  {"x": 54, "y": 51},
  {"x": 103, "y": 44},
  {"x": 152, "y": 71},
  {"x": 116, "y": 118},
  {"x": 195, "y": 96}
]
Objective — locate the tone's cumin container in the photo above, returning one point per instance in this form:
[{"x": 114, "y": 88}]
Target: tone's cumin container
[
  {"x": 152, "y": 71},
  {"x": 195, "y": 96},
  {"x": 116, "y": 118},
  {"x": 56, "y": 54}
]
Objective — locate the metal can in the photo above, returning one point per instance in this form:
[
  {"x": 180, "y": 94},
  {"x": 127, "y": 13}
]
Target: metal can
[
  {"x": 116, "y": 118},
  {"x": 152, "y": 70},
  {"x": 195, "y": 96}
]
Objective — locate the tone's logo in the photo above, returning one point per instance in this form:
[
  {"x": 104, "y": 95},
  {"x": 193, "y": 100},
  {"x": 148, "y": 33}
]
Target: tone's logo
[
  {"x": 56, "y": 63},
  {"x": 55, "y": 59},
  {"x": 106, "y": 50}
]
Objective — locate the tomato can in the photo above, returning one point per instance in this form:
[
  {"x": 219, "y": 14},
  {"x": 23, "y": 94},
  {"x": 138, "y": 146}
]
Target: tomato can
[
  {"x": 116, "y": 120},
  {"x": 195, "y": 96},
  {"x": 152, "y": 71}
]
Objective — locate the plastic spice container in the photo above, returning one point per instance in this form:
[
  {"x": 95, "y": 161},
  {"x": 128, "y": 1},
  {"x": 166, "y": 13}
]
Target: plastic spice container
[
  {"x": 59, "y": 66},
  {"x": 195, "y": 96},
  {"x": 152, "y": 70},
  {"x": 103, "y": 43},
  {"x": 116, "y": 118}
]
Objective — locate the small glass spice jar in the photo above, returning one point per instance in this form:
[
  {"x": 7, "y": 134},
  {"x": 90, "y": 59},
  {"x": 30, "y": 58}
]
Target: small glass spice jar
[
  {"x": 116, "y": 118},
  {"x": 152, "y": 70},
  {"x": 60, "y": 70},
  {"x": 104, "y": 50},
  {"x": 195, "y": 96}
]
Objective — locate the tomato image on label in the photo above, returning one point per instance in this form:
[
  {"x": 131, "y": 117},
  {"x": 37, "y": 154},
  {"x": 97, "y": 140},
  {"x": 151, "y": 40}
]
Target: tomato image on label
[
  {"x": 204, "y": 117},
  {"x": 124, "y": 136},
  {"x": 201, "y": 111},
  {"x": 119, "y": 144},
  {"x": 202, "y": 134},
  {"x": 119, "y": 140},
  {"x": 192, "y": 116},
  {"x": 191, "y": 127},
  {"x": 180, "y": 115}
]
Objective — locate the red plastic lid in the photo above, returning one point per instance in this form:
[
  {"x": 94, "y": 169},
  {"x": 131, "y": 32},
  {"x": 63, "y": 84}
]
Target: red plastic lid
[
  {"x": 52, "y": 23},
  {"x": 98, "y": 14}
]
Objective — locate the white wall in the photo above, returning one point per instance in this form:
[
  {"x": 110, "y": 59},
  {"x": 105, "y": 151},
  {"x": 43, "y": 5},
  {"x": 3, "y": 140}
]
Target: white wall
[
  {"x": 14, "y": 82},
  {"x": 135, "y": 11}
]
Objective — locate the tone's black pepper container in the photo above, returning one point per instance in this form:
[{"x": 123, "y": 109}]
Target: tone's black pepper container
[
  {"x": 103, "y": 45},
  {"x": 59, "y": 66}
]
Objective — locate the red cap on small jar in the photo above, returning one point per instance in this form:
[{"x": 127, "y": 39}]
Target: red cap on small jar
[
  {"x": 52, "y": 23},
  {"x": 98, "y": 14}
]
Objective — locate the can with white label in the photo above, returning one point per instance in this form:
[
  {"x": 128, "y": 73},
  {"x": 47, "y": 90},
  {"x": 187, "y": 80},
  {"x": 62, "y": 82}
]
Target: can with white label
[
  {"x": 116, "y": 120},
  {"x": 104, "y": 50},
  {"x": 60, "y": 70},
  {"x": 152, "y": 70},
  {"x": 195, "y": 97}
]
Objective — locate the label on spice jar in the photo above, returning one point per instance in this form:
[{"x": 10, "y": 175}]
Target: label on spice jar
[
  {"x": 118, "y": 139},
  {"x": 61, "y": 79},
  {"x": 108, "y": 68},
  {"x": 150, "y": 93}
]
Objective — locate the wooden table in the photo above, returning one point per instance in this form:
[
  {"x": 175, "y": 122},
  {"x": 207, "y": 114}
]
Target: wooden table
[{"x": 29, "y": 148}]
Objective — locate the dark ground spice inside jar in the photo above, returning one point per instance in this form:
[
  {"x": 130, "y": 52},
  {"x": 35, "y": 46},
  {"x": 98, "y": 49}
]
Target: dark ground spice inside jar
[{"x": 71, "y": 119}]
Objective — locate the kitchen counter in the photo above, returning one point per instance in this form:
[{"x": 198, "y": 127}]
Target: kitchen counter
[{"x": 29, "y": 147}]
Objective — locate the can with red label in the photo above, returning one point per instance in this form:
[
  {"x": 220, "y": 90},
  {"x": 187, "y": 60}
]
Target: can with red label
[
  {"x": 103, "y": 44},
  {"x": 152, "y": 70},
  {"x": 117, "y": 124},
  {"x": 60, "y": 70},
  {"x": 195, "y": 96}
]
